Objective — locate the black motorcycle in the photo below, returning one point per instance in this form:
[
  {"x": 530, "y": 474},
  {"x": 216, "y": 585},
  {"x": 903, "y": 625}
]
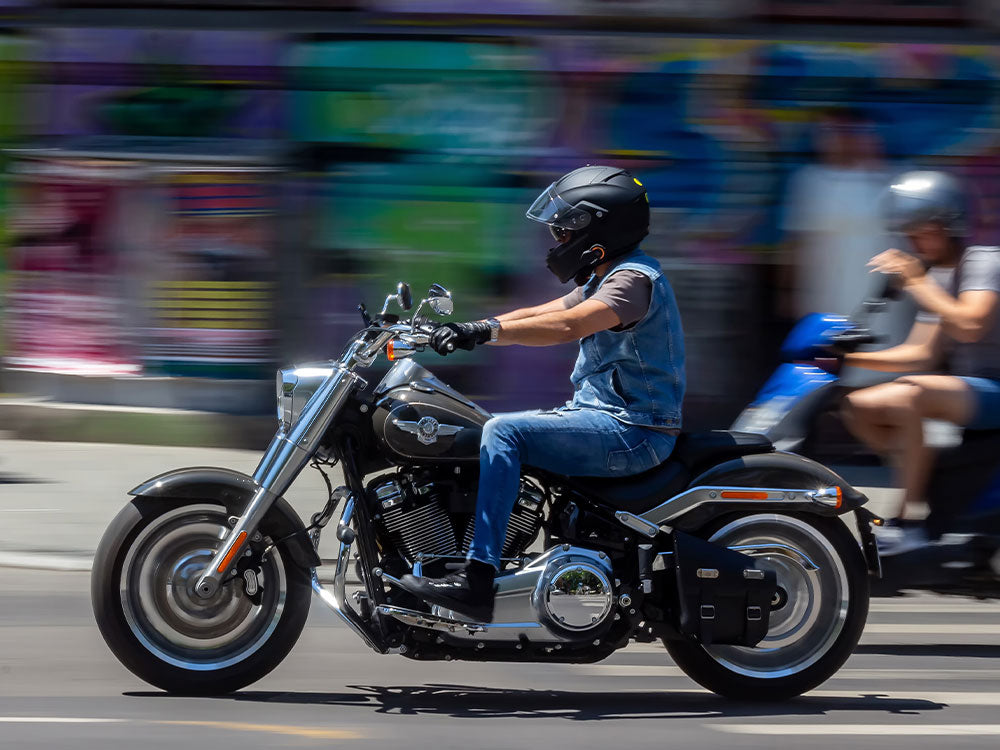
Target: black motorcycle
[{"x": 734, "y": 555}]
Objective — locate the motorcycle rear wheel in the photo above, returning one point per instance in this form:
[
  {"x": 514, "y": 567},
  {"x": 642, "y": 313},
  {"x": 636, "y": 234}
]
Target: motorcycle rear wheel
[
  {"x": 142, "y": 590},
  {"x": 815, "y": 623}
]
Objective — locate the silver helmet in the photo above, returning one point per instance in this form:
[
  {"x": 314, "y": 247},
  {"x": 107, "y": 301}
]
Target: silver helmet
[{"x": 918, "y": 197}]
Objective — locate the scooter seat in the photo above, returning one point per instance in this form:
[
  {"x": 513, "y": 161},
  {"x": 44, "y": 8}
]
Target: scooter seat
[{"x": 693, "y": 453}]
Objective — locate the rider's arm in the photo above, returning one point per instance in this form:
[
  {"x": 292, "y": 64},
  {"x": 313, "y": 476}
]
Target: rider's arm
[
  {"x": 559, "y": 326},
  {"x": 967, "y": 318},
  {"x": 920, "y": 351},
  {"x": 531, "y": 312}
]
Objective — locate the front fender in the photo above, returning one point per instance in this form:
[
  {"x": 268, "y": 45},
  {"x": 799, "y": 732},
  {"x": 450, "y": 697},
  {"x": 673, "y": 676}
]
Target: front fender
[{"x": 234, "y": 490}]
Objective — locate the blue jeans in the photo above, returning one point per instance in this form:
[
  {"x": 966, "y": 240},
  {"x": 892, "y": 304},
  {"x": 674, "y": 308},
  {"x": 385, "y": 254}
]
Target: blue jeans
[{"x": 574, "y": 442}]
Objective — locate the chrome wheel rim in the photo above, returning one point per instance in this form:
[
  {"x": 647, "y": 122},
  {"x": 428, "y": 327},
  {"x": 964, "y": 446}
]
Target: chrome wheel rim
[
  {"x": 811, "y": 608},
  {"x": 169, "y": 619}
]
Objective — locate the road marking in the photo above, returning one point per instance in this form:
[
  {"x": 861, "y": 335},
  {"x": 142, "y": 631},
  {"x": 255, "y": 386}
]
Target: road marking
[
  {"x": 56, "y": 720},
  {"x": 931, "y": 628},
  {"x": 30, "y": 510},
  {"x": 315, "y": 733},
  {"x": 43, "y": 561},
  {"x": 667, "y": 671},
  {"x": 948, "y": 698},
  {"x": 872, "y": 730},
  {"x": 970, "y": 608}
]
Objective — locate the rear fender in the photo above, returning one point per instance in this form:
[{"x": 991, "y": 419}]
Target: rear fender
[
  {"x": 234, "y": 490},
  {"x": 782, "y": 480}
]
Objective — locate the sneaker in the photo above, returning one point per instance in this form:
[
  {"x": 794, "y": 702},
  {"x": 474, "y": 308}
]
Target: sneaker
[
  {"x": 468, "y": 592},
  {"x": 895, "y": 540}
]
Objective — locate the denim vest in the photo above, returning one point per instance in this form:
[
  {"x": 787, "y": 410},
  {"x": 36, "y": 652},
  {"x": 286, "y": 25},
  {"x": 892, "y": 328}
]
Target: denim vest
[{"x": 636, "y": 375}]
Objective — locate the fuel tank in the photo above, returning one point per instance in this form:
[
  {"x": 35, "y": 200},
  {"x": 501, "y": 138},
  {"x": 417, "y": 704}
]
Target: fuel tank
[{"x": 417, "y": 418}]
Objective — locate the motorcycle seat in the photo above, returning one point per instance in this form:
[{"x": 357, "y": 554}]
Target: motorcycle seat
[{"x": 693, "y": 453}]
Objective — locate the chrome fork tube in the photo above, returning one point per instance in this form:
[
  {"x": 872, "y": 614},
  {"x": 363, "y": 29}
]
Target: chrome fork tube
[{"x": 284, "y": 459}]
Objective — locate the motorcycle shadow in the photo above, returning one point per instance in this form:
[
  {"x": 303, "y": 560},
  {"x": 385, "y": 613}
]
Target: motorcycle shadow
[{"x": 465, "y": 701}]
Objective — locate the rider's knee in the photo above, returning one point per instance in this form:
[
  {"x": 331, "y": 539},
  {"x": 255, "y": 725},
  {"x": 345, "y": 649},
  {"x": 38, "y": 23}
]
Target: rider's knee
[{"x": 499, "y": 431}]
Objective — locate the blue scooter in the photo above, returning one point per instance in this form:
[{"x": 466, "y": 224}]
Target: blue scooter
[{"x": 963, "y": 557}]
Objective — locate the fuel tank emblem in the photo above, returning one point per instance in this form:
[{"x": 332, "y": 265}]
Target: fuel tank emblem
[{"x": 427, "y": 429}]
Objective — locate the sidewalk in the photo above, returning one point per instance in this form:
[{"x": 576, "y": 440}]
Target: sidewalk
[{"x": 56, "y": 499}]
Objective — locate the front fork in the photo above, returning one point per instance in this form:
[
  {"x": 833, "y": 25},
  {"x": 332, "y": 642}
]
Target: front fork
[{"x": 285, "y": 458}]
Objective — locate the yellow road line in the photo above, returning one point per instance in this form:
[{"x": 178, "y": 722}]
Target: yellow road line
[
  {"x": 313, "y": 733},
  {"x": 213, "y": 294}
]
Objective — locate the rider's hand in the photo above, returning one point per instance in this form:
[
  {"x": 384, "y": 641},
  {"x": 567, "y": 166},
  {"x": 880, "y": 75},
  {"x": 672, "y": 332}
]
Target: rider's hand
[
  {"x": 451, "y": 336},
  {"x": 904, "y": 265}
]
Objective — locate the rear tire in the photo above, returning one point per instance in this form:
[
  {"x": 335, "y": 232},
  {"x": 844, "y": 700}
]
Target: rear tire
[
  {"x": 824, "y": 611},
  {"x": 143, "y": 599}
]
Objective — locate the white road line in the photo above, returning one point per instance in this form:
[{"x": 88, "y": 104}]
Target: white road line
[
  {"x": 42, "y": 561},
  {"x": 933, "y": 628},
  {"x": 870, "y": 730},
  {"x": 30, "y": 510},
  {"x": 930, "y": 608},
  {"x": 877, "y": 697},
  {"x": 668, "y": 671},
  {"x": 57, "y": 720}
]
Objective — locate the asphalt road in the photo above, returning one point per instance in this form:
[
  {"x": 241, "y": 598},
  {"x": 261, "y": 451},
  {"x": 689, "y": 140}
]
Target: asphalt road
[{"x": 927, "y": 673}]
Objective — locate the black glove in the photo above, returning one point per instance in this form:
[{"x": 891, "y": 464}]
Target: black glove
[{"x": 451, "y": 336}]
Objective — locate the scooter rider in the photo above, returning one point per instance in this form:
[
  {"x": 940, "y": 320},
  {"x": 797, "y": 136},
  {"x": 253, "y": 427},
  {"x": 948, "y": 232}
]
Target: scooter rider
[
  {"x": 628, "y": 381},
  {"x": 958, "y": 290}
]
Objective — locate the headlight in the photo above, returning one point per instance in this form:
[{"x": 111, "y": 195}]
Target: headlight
[{"x": 294, "y": 387}]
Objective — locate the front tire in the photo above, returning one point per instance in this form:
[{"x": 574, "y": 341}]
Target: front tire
[
  {"x": 816, "y": 620},
  {"x": 144, "y": 602}
]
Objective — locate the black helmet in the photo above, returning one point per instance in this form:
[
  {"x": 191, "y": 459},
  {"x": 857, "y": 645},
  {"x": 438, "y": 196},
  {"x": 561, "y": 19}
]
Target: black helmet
[
  {"x": 605, "y": 208},
  {"x": 918, "y": 197}
]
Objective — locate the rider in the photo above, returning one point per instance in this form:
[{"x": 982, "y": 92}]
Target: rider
[
  {"x": 957, "y": 288},
  {"x": 628, "y": 381}
]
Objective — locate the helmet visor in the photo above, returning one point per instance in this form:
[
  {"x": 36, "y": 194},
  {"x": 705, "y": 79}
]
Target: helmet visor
[{"x": 549, "y": 208}]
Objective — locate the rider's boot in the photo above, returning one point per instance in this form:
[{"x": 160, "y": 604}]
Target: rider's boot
[{"x": 468, "y": 591}]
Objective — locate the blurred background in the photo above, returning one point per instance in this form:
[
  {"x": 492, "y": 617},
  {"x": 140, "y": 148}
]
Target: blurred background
[{"x": 193, "y": 193}]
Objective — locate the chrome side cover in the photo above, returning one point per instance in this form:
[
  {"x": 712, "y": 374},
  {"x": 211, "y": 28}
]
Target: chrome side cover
[{"x": 563, "y": 596}]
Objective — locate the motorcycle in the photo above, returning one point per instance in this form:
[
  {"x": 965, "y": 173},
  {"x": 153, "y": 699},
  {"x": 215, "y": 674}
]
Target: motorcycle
[
  {"x": 733, "y": 555},
  {"x": 963, "y": 493}
]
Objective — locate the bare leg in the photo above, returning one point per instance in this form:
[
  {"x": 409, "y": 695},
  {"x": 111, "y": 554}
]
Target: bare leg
[{"x": 893, "y": 413}]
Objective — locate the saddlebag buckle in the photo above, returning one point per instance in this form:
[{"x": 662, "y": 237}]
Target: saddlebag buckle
[{"x": 736, "y": 594}]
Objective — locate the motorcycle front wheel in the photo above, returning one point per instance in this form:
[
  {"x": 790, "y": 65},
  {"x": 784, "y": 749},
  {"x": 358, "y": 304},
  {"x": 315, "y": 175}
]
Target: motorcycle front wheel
[
  {"x": 817, "y": 615},
  {"x": 142, "y": 590}
]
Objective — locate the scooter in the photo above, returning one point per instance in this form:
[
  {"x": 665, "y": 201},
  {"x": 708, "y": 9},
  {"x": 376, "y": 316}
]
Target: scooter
[{"x": 963, "y": 556}]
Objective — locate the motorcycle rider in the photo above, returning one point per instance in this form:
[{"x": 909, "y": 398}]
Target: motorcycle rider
[
  {"x": 957, "y": 288},
  {"x": 628, "y": 380}
]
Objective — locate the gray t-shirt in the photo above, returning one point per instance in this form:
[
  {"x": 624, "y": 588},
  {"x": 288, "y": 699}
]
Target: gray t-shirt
[
  {"x": 978, "y": 269},
  {"x": 626, "y": 292}
]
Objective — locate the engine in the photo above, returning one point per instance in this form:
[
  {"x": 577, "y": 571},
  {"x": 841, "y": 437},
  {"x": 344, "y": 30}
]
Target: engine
[{"x": 432, "y": 515}]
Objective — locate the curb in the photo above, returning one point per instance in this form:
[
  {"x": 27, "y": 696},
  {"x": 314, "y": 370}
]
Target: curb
[{"x": 32, "y": 419}]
